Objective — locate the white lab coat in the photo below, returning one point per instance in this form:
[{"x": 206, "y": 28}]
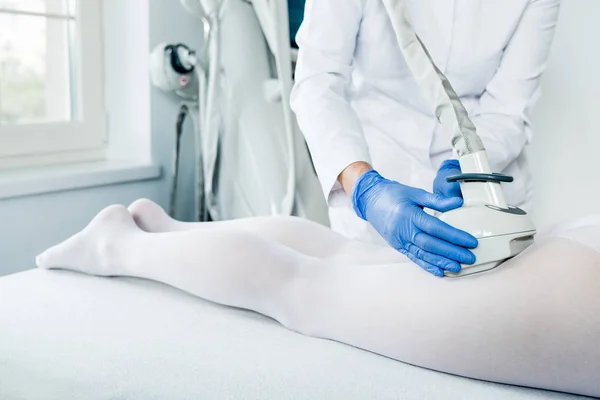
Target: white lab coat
[{"x": 356, "y": 100}]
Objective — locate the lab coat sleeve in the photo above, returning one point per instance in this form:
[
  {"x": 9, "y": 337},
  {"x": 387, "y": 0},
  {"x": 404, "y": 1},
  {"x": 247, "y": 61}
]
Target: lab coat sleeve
[
  {"x": 320, "y": 97},
  {"x": 503, "y": 116}
]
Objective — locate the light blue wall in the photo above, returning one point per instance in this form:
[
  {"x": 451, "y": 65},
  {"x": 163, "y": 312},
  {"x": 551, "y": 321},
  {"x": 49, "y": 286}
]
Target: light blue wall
[{"x": 31, "y": 224}]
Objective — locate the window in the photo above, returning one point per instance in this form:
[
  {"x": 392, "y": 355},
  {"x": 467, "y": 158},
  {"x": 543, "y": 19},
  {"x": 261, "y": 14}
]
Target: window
[{"x": 51, "y": 81}]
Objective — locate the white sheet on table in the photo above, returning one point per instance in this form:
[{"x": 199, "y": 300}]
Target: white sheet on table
[{"x": 70, "y": 336}]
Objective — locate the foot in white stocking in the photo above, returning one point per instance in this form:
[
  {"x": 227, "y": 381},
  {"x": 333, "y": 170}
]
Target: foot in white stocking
[
  {"x": 95, "y": 249},
  {"x": 150, "y": 217}
]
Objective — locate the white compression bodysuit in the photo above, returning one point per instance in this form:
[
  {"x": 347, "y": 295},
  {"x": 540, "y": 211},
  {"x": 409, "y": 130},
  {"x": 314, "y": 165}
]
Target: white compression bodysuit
[{"x": 534, "y": 321}]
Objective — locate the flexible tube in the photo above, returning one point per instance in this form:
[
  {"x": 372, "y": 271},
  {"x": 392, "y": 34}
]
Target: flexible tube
[
  {"x": 434, "y": 85},
  {"x": 212, "y": 117}
]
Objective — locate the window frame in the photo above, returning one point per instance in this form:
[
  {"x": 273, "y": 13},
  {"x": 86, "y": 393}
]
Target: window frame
[{"x": 81, "y": 139}]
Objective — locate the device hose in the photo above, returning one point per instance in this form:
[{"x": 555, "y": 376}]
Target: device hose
[
  {"x": 434, "y": 85},
  {"x": 212, "y": 117}
]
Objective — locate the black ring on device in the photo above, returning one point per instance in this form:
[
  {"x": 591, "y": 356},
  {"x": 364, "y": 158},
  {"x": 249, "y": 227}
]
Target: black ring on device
[{"x": 480, "y": 178}]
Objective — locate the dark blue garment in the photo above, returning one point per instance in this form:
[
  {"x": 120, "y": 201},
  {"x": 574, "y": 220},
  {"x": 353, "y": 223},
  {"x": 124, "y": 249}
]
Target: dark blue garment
[{"x": 296, "y": 10}]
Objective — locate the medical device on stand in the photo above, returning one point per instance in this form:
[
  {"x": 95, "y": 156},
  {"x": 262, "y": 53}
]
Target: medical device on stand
[
  {"x": 173, "y": 68},
  {"x": 503, "y": 231},
  {"x": 253, "y": 158}
]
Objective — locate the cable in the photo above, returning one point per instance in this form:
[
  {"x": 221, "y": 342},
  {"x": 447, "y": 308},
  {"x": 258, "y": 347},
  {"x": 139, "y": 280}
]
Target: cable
[{"x": 183, "y": 112}]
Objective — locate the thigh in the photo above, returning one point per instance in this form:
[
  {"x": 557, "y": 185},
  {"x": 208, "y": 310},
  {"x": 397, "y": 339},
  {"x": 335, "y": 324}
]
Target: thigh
[
  {"x": 313, "y": 239},
  {"x": 534, "y": 321}
]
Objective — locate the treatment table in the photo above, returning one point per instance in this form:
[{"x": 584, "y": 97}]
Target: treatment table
[{"x": 65, "y": 336}]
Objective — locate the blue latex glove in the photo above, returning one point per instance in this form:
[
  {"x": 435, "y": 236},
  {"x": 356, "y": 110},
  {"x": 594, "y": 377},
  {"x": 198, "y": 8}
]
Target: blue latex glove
[
  {"x": 446, "y": 189},
  {"x": 396, "y": 212}
]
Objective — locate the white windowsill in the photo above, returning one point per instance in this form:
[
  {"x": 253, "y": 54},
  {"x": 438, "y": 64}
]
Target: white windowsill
[{"x": 58, "y": 178}]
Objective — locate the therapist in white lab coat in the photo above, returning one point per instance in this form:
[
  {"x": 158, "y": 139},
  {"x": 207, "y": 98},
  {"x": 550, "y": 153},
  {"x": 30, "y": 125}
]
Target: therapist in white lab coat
[{"x": 361, "y": 111}]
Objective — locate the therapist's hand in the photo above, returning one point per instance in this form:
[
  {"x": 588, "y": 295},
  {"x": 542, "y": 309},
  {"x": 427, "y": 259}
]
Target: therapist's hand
[
  {"x": 446, "y": 189},
  {"x": 396, "y": 212}
]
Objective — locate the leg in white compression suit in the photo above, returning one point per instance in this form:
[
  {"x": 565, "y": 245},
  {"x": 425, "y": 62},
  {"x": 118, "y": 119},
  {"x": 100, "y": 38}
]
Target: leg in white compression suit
[
  {"x": 535, "y": 321},
  {"x": 296, "y": 233}
]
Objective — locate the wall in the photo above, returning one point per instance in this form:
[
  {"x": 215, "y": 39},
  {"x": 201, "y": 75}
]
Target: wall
[
  {"x": 564, "y": 155},
  {"x": 29, "y": 225}
]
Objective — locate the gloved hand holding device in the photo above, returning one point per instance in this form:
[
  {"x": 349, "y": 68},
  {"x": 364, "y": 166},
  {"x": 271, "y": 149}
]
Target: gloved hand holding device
[
  {"x": 396, "y": 212},
  {"x": 447, "y": 189}
]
